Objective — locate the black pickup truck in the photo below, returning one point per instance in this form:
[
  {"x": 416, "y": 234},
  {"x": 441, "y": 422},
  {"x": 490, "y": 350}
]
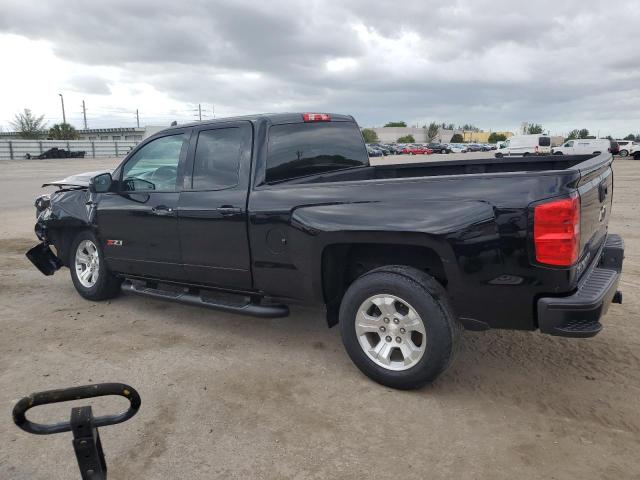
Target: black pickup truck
[{"x": 251, "y": 214}]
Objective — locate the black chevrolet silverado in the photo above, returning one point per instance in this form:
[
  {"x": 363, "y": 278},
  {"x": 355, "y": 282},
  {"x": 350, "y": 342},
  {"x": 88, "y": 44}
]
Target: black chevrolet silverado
[{"x": 251, "y": 214}]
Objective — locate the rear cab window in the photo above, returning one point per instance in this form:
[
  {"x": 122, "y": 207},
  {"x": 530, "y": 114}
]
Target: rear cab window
[{"x": 301, "y": 149}]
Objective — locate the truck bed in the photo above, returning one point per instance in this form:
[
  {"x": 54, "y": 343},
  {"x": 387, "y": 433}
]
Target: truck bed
[{"x": 445, "y": 168}]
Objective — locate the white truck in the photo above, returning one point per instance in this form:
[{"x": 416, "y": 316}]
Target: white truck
[
  {"x": 583, "y": 146},
  {"x": 524, "y": 145}
]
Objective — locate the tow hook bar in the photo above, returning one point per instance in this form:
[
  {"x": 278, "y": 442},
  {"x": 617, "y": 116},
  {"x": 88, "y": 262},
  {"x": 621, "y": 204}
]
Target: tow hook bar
[{"x": 86, "y": 439}]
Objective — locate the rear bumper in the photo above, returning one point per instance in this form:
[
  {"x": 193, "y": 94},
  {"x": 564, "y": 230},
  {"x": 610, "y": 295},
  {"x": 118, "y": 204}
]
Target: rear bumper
[{"x": 578, "y": 315}]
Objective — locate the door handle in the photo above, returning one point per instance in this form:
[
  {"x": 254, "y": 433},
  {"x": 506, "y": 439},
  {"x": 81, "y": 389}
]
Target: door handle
[
  {"x": 228, "y": 210},
  {"x": 162, "y": 210}
]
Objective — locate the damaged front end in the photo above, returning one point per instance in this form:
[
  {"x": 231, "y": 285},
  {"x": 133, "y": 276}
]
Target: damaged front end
[{"x": 59, "y": 216}]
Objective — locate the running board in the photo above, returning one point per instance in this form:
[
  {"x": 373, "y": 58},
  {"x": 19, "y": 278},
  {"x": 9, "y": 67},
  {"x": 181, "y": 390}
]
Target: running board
[{"x": 244, "y": 308}]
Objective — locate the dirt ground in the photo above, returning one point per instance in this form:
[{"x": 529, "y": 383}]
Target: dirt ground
[{"x": 226, "y": 396}]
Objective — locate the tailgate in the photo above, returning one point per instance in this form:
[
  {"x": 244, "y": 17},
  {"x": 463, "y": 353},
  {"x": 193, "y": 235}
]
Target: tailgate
[{"x": 596, "y": 194}]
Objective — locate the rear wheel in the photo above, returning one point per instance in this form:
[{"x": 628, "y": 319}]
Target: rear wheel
[
  {"x": 623, "y": 153},
  {"x": 525, "y": 154},
  {"x": 398, "y": 327},
  {"x": 89, "y": 271},
  {"x": 558, "y": 153},
  {"x": 499, "y": 155}
]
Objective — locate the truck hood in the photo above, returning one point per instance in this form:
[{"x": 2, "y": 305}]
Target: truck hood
[{"x": 77, "y": 180}]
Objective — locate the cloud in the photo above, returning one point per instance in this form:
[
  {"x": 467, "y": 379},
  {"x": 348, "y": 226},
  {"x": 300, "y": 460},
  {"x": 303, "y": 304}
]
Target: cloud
[
  {"x": 494, "y": 63},
  {"x": 89, "y": 84}
]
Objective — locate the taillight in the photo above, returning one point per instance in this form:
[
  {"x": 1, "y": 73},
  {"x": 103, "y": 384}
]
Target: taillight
[
  {"x": 316, "y": 117},
  {"x": 556, "y": 231}
]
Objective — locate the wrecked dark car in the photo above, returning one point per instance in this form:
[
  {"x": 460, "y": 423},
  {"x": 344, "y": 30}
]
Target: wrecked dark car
[
  {"x": 252, "y": 214},
  {"x": 56, "y": 152}
]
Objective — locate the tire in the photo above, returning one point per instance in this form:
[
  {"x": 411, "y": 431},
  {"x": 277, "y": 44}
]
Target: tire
[
  {"x": 403, "y": 291},
  {"x": 443, "y": 151},
  {"x": 623, "y": 153},
  {"x": 525, "y": 154},
  {"x": 499, "y": 155},
  {"x": 106, "y": 285},
  {"x": 558, "y": 153},
  {"x": 597, "y": 153}
]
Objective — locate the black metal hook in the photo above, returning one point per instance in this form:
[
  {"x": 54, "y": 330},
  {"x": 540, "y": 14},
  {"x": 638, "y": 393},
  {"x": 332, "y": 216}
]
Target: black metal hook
[{"x": 74, "y": 393}]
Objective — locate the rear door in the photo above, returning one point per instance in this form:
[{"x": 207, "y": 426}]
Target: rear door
[
  {"x": 137, "y": 222},
  {"x": 212, "y": 211}
]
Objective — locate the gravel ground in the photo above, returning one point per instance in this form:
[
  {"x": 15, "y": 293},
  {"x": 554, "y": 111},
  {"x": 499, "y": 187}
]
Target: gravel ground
[{"x": 226, "y": 396}]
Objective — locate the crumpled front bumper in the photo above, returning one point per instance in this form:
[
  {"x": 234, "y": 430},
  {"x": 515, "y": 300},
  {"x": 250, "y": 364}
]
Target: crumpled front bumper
[{"x": 578, "y": 315}]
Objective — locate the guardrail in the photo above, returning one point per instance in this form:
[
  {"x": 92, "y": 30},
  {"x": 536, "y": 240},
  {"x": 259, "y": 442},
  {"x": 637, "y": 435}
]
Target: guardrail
[{"x": 22, "y": 149}]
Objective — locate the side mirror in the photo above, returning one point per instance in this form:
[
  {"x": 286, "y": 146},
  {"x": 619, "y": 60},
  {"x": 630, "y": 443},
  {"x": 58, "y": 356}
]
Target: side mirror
[{"x": 101, "y": 183}]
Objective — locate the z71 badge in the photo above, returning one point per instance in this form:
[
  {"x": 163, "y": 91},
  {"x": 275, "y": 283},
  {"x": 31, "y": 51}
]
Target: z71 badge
[{"x": 114, "y": 243}]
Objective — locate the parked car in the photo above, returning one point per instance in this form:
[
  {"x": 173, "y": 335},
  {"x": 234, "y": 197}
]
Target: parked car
[
  {"x": 474, "y": 147},
  {"x": 250, "y": 214},
  {"x": 439, "y": 147},
  {"x": 525, "y": 145},
  {"x": 582, "y": 146},
  {"x": 627, "y": 147},
  {"x": 374, "y": 152},
  {"x": 417, "y": 150},
  {"x": 457, "y": 148}
]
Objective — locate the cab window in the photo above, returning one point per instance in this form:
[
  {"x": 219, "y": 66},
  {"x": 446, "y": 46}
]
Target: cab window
[
  {"x": 155, "y": 166},
  {"x": 217, "y": 159},
  {"x": 569, "y": 144}
]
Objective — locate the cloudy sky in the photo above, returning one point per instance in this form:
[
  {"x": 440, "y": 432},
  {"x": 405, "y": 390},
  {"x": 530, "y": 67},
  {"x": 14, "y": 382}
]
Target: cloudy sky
[{"x": 494, "y": 63}]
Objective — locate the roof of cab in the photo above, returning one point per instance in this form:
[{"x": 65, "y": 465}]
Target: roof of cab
[{"x": 274, "y": 118}]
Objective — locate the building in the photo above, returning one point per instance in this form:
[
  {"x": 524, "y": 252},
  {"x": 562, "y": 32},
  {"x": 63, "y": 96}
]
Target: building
[{"x": 116, "y": 134}]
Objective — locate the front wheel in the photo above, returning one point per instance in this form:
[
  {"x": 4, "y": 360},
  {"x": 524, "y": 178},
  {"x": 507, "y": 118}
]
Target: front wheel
[
  {"x": 398, "y": 327},
  {"x": 89, "y": 272},
  {"x": 557, "y": 153},
  {"x": 499, "y": 155},
  {"x": 623, "y": 153}
]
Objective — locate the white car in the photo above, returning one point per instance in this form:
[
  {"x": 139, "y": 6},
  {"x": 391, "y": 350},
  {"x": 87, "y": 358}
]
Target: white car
[
  {"x": 627, "y": 147},
  {"x": 456, "y": 148},
  {"x": 583, "y": 146}
]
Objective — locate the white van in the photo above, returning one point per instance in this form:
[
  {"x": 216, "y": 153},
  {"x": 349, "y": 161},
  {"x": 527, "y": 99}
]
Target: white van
[
  {"x": 525, "y": 145},
  {"x": 583, "y": 146}
]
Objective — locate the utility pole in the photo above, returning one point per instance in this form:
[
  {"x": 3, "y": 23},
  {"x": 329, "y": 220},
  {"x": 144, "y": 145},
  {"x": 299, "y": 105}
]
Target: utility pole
[
  {"x": 200, "y": 112},
  {"x": 213, "y": 110},
  {"x": 64, "y": 117},
  {"x": 137, "y": 118},
  {"x": 84, "y": 114}
]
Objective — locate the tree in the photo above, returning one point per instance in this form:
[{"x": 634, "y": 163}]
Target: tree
[
  {"x": 467, "y": 127},
  {"x": 496, "y": 137},
  {"x": 28, "y": 125},
  {"x": 432, "y": 131},
  {"x": 534, "y": 129},
  {"x": 396, "y": 124},
  {"x": 370, "y": 135},
  {"x": 583, "y": 133},
  {"x": 406, "y": 139},
  {"x": 573, "y": 134},
  {"x": 631, "y": 137},
  {"x": 447, "y": 126},
  {"x": 63, "y": 131},
  {"x": 457, "y": 138}
]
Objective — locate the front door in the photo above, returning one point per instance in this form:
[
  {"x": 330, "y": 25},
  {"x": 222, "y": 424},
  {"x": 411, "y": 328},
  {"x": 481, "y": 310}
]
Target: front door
[
  {"x": 137, "y": 222},
  {"x": 212, "y": 213}
]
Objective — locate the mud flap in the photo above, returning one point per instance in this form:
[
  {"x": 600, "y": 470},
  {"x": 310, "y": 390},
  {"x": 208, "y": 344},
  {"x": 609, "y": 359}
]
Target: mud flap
[{"x": 44, "y": 259}]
